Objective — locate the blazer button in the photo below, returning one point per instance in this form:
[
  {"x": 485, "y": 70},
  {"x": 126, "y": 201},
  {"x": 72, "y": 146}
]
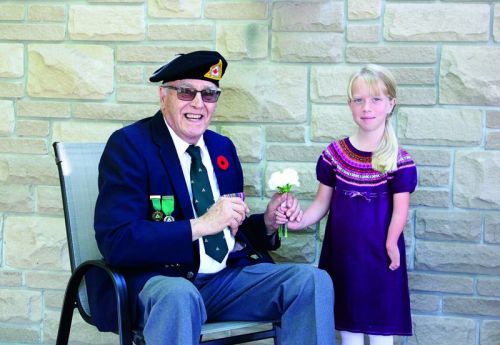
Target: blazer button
[{"x": 189, "y": 275}]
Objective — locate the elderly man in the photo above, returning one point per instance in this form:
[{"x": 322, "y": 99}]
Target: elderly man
[{"x": 171, "y": 216}]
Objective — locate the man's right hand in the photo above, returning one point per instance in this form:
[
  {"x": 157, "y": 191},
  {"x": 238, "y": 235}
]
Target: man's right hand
[{"x": 226, "y": 212}]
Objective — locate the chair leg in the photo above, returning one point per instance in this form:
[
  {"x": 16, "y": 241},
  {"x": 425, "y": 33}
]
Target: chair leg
[{"x": 69, "y": 305}]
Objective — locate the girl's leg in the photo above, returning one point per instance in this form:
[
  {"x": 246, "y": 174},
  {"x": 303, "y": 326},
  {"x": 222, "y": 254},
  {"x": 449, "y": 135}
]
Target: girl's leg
[
  {"x": 381, "y": 339},
  {"x": 349, "y": 338}
]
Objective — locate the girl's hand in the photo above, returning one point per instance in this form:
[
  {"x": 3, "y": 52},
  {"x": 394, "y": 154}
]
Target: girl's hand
[{"x": 393, "y": 252}]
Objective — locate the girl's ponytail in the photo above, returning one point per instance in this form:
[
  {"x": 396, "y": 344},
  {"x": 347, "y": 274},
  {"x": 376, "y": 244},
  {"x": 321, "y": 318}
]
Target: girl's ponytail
[{"x": 385, "y": 157}]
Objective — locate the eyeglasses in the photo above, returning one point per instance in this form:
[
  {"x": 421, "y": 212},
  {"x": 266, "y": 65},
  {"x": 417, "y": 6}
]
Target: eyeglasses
[{"x": 188, "y": 94}]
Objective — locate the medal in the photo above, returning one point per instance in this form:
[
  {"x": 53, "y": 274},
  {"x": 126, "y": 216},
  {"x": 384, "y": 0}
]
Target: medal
[
  {"x": 167, "y": 206},
  {"x": 157, "y": 215}
]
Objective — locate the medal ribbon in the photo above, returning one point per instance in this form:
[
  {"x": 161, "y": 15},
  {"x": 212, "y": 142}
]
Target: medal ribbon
[{"x": 167, "y": 205}]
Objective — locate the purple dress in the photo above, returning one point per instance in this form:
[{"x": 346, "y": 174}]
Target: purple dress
[{"x": 369, "y": 298}]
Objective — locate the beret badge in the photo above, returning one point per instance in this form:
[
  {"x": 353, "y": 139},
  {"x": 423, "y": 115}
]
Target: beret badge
[{"x": 215, "y": 71}]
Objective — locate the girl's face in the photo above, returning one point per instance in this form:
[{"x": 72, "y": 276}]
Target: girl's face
[{"x": 370, "y": 105}]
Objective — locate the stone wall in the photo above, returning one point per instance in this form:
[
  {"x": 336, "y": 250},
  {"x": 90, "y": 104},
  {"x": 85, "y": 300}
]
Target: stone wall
[{"x": 78, "y": 70}]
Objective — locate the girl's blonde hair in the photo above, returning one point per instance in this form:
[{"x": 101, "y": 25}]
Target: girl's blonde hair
[{"x": 385, "y": 156}]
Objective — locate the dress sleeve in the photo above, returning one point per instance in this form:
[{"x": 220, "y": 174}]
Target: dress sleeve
[
  {"x": 326, "y": 167},
  {"x": 404, "y": 179}
]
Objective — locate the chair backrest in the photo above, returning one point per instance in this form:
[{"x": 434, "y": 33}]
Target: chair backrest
[{"x": 78, "y": 171}]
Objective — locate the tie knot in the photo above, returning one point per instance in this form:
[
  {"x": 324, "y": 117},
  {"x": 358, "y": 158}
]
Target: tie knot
[{"x": 194, "y": 152}]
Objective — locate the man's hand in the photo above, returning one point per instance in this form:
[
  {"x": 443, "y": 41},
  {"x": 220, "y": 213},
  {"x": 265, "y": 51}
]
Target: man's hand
[
  {"x": 226, "y": 212},
  {"x": 281, "y": 209}
]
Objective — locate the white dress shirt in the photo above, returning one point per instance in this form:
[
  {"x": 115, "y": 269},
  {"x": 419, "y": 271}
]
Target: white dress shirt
[{"x": 207, "y": 264}]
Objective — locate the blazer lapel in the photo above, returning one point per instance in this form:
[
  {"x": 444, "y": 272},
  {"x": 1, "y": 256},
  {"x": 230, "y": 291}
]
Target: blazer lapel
[{"x": 162, "y": 138}]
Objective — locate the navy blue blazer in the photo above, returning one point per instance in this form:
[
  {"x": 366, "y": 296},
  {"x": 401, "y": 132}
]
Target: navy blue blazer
[{"x": 140, "y": 160}]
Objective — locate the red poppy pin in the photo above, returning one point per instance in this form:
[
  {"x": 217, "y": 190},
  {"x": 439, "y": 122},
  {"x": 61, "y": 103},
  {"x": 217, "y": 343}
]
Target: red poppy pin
[{"x": 222, "y": 162}]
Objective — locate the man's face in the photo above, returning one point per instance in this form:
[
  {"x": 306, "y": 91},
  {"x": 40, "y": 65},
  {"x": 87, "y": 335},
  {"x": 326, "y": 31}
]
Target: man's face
[{"x": 188, "y": 119}]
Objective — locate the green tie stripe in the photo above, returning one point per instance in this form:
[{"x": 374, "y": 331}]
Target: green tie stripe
[{"x": 215, "y": 245}]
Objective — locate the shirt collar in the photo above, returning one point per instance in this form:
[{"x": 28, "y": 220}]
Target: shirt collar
[{"x": 180, "y": 145}]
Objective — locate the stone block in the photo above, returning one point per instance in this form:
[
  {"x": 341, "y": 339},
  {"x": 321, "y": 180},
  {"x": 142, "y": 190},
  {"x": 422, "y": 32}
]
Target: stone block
[
  {"x": 391, "y": 54},
  {"x": 297, "y": 247},
  {"x": 80, "y": 131},
  {"x": 53, "y": 298},
  {"x": 46, "y": 13},
  {"x": 32, "y": 32},
  {"x": 42, "y": 240},
  {"x": 138, "y": 93},
  {"x": 129, "y": 74},
  {"x": 437, "y": 126},
  {"x": 285, "y": 133},
  {"x": 468, "y": 77},
  {"x": 424, "y": 303},
  {"x": 248, "y": 141},
  {"x": 28, "y": 169},
  {"x": 329, "y": 84},
  {"x": 414, "y": 75},
  {"x": 174, "y": 8},
  {"x": 42, "y": 109},
  {"x": 55, "y": 71},
  {"x": 242, "y": 41},
  {"x": 16, "y": 198},
  {"x": 10, "y": 278},
  {"x": 7, "y": 118},
  {"x": 114, "y": 111},
  {"x": 363, "y": 9},
  {"x": 11, "y": 89},
  {"x": 431, "y": 156},
  {"x": 308, "y": 16},
  {"x": 446, "y": 225},
  {"x": 457, "y": 257},
  {"x": 12, "y": 333},
  {"x": 440, "y": 283},
  {"x": 106, "y": 23},
  {"x": 330, "y": 122},
  {"x": 11, "y": 60},
  {"x": 492, "y": 228},
  {"x": 20, "y": 306},
  {"x": 181, "y": 32},
  {"x": 293, "y": 153},
  {"x": 436, "y": 22},
  {"x": 32, "y": 128},
  {"x": 493, "y": 141},
  {"x": 469, "y": 305},
  {"x": 256, "y": 9},
  {"x": 364, "y": 33},
  {"x": 430, "y": 197},
  {"x": 433, "y": 177},
  {"x": 154, "y": 53},
  {"x": 49, "y": 200},
  {"x": 417, "y": 96},
  {"x": 264, "y": 93},
  {"x": 47, "y": 280},
  {"x": 253, "y": 180},
  {"x": 475, "y": 175},
  {"x": 23, "y": 145},
  {"x": 493, "y": 119},
  {"x": 307, "y": 178},
  {"x": 489, "y": 332},
  {"x": 496, "y": 24},
  {"x": 488, "y": 287},
  {"x": 12, "y": 11},
  {"x": 442, "y": 330},
  {"x": 307, "y": 47}
]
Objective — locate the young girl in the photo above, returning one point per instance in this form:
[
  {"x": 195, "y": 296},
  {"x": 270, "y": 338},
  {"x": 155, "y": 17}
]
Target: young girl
[{"x": 365, "y": 183}]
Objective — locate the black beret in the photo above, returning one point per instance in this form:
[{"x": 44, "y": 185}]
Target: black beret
[{"x": 205, "y": 65}]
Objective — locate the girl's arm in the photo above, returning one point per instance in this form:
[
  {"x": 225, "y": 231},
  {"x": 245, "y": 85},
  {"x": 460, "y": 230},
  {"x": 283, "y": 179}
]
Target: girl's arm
[
  {"x": 401, "y": 204},
  {"x": 316, "y": 211}
]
